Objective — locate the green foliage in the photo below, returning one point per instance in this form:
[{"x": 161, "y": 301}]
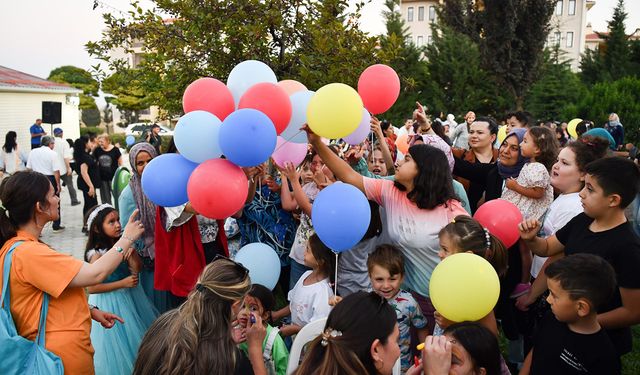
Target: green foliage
[
  {"x": 129, "y": 94},
  {"x": 91, "y": 117},
  {"x": 80, "y": 79},
  {"x": 84, "y": 130}
]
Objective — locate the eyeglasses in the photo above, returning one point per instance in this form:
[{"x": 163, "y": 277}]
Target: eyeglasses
[{"x": 239, "y": 266}]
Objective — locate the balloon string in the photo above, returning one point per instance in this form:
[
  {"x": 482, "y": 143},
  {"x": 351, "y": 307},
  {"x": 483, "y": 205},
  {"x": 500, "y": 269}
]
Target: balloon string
[
  {"x": 287, "y": 140},
  {"x": 335, "y": 284}
]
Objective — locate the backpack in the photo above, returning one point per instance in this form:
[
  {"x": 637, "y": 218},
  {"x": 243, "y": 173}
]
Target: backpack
[{"x": 266, "y": 353}]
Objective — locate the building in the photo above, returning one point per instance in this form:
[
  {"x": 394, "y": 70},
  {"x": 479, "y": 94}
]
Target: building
[
  {"x": 594, "y": 39},
  {"x": 569, "y": 27},
  {"x": 21, "y": 97}
]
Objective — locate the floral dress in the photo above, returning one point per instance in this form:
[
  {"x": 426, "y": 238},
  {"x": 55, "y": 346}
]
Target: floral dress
[{"x": 532, "y": 175}]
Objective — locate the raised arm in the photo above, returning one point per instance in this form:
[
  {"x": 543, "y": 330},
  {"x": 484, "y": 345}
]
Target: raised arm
[
  {"x": 384, "y": 147},
  {"x": 544, "y": 247},
  {"x": 301, "y": 198}
]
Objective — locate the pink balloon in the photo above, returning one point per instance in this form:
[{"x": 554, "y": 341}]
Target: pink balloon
[
  {"x": 291, "y": 86},
  {"x": 291, "y": 152},
  {"x": 208, "y": 94},
  {"x": 217, "y": 188},
  {"x": 379, "y": 88},
  {"x": 359, "y": 135},
  {"x": 501, "y": 218},
  {"x": 271, "y": 100}
]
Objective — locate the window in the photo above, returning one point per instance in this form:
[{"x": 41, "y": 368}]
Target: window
[
  {"x": 572, "y": 7},
  {"x": 409, "y": 39},
  {"x": 432, "y": 13},
  {"x": 557, "y": 37},
  {"x": 410, "y": 14},
  {"x": 420, "y": 41},
  {"x": 429, "y": 39},
  {"x": 570, "y": 39},
  {"x": 420, "y": 13},
  {"x": 559, "y": 6}
]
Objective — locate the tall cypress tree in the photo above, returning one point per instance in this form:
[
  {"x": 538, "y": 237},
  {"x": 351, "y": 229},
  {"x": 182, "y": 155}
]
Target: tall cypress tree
[{"x": 617, "y": 52}]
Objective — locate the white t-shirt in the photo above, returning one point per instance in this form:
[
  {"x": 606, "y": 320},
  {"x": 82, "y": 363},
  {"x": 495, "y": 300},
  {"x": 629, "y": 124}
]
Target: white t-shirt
[
  {"x": 63, "y": 150},
  {"x": 563, "y": 209},
  {"x": 305, "y": 229},
  {"x": 44, "y": 160},
  {"x": 309, "y": 302}
]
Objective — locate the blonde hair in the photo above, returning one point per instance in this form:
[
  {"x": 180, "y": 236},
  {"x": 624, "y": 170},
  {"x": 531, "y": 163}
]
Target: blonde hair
[{"x": 105, "y": 137}]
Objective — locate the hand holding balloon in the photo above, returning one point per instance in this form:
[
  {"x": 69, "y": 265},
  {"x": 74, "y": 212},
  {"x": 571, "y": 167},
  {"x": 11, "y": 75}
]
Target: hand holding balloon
[{"x": 311, "y": 136}]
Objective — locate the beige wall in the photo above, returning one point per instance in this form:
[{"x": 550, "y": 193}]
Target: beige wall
[
  {"x": 420, "y": 30},
  {"x": 19, "y": 110}
]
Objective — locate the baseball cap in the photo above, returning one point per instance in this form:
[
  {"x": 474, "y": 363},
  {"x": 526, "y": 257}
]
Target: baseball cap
[{"x": 57, "y": 131}]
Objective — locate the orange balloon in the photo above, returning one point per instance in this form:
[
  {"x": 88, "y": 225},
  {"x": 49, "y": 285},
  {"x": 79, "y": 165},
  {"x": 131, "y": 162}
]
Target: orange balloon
[
  {"x": 403, "y": 143},
  {"x": 291, "y": 86}
]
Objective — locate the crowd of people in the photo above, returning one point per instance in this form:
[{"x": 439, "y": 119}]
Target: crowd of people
[{"x": 173, "y": 301}]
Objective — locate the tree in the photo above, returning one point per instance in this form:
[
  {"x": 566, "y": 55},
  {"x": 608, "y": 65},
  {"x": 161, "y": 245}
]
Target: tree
[
  {"x": 129, "y": 96},
  {"x": 80, "y": 79},
  {"x": 91, "y": 117},
  {"x": 511, "y": 35},
  {"x": 616, "y": 54},
  {"x": 316, "y": 42}
]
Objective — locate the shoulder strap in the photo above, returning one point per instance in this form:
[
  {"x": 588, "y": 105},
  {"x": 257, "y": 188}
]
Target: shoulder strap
[{"x": 266, "y": 353}]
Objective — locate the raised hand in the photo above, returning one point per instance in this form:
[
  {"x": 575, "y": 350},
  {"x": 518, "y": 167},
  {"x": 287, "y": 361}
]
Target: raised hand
[
  {"x": 134, "y": 228},
  {"x": 529, "y": 228}
]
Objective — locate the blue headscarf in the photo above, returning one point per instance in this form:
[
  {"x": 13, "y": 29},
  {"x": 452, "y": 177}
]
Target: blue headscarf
[
  {"x": 604, "y": 134},
  {"x": 513, "y": 171}
]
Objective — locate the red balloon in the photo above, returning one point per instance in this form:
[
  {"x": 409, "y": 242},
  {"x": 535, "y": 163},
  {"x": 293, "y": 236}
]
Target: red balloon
[
  {"x": 208, "y": 94},
  {"x": 501, "y": 218},
  {"x": 271, "y": 100},
  {"x": 379, "y": 88},
  {"x": 217, "y": 188}
]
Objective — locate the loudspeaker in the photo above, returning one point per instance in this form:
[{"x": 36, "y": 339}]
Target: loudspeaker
[{"x": 52, "y": 112}]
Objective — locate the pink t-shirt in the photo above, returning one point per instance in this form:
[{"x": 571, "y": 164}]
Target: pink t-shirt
[{"x": 413, "y": 230}]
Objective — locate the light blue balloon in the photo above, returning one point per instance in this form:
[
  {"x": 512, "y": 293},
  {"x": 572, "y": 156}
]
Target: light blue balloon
[
  {"x": 247, "y": 137},
  {"x": 196, "y": 136},
  {"x": 262, "y": 262},
  {"x": 360, "y": 134},
  {"x": 164, "y": 180},
  {"x": 299, "y": 102},
  {"x": 130, "y": 140},
  {"x": 340, "y": 216},
  {"x": 247, "y": 74}
]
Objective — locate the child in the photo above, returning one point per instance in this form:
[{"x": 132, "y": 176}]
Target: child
[
  {"x": 309, "y": 298},
  {"x": 532, "y": 192},
  {"x": 465, "y": 234},
  {"x": 571, "y": 340},
  {"x": 611, "y": 184},
  {"x": 386, "y": 271},
  {"x": 260, "y": 301},
  {"x": 116, "y": 348}
]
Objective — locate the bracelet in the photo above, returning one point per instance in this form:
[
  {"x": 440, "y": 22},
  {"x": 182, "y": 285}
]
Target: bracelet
[
  {"x": 118, "y": 249},
  {"x": 91, "y": 307},
  {"x": 128, "y": 238}
]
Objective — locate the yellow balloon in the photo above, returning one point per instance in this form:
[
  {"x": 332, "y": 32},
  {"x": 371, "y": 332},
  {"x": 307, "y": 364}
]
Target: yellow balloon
[
  {"x": 502, "y": 134},
  {"x": 334, "y": 111},
  {"x": 571, "y": 127},
  {"x": 464, "y": 287}
]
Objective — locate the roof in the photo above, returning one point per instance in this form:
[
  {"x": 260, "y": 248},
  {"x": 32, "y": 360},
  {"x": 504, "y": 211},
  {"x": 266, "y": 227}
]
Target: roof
[{"x": 13, "y": 80}]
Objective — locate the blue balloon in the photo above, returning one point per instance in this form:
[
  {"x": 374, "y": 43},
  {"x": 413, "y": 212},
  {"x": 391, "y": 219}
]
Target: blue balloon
[
  {"x": 247, "y": 74},
  {"x": 130, "y": 140},
  {"x": 340, "y": 216},
  {"x": 247, "y": 137},
  {"x": 299, "y": 103},
  {"x": 196, "y": 136},
  {"x": 164, "y": 180},
  {"x": 262, "y": 262}
]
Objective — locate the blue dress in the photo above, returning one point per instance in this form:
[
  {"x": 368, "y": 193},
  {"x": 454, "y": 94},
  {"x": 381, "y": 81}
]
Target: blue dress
[{"x": 116, "y": 348}]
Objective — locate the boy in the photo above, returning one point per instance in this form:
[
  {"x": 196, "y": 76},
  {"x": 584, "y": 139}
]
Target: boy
[
  {"x": 571, "y": 341},
  {"x": 602, "y": 229},
  {"x": 386, "y": 271}
]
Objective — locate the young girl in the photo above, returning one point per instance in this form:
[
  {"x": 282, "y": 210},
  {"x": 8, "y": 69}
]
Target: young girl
[
  {"x": 532, "y": 192},
  {"x": 116, "y": 348},
  {"x": 309, "y": 298},
  {"x": 260, "y": 301}
]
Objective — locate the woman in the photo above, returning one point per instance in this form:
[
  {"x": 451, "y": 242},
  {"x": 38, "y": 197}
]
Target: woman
[
  {"x": 12, "y": 159},
  {"x": 482, "y": 134},
  {"x": 109, "y": 159},
  {"x": 88, "y": 173},
  {"x": 28, "y": 204},
  {"x": 196, "y": 338},
  {"x": 360, "y": 337},
  {"x": 417, "y": 205}
]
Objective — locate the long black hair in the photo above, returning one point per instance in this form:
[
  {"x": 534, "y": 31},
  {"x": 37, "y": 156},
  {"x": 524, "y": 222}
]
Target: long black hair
[
  {"x": 97, "y": 239},
  {"x": 10, "y": 143},
  {"x": 80, "y": 147},
  {"x": 19, "y": 194},
  {"x": 480, "y": 343}
]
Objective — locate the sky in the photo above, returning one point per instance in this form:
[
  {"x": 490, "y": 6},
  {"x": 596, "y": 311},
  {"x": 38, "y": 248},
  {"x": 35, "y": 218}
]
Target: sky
[{"x": 37, "y": 36}]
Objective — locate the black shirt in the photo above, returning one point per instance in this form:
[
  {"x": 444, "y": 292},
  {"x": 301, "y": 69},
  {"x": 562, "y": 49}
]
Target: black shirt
[
  {"x": 92, "y": 169},
  {"x": 484, "y": 178},
  {"x": 558, "y": 350},
  {"x": 621, "y": 248},
  {"x": 108, "y": 162}
]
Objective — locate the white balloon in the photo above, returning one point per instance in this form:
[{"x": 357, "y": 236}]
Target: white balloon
[
  {"x": 299, "y": 102},
  {"x": 247, "y": 74}
]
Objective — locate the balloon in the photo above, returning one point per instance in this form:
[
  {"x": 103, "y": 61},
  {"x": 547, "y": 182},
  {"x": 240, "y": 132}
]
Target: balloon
[
  {"x": 464, "y": 287},
  {"x": 379, "y": 88},
  {"x": 340, "y": 216},
  {"x": 247, "y": 74},
  {"x": 196, "y": 136},
  {"x": 299, "y": 103},
  {"x": 262, "y": 262},
  {"x": 247, "y": 137},
  {"x": 571, "y": 127},
  {"x": 271, "y": 100},
  {"x": 208, "y": 94},
  {"x": 502, "y": 134},
  {"x": 293, "y": 153},
  {"x": 290, "y": 86},
  {"x": 120, "y": 179},
  {"x": 403, "y": 143},
  {"x": 359, "y": 135},
  {"x": 164, "y": 180},
  {"x": 130, "y": 140},
  {"x": 334, "y": 111},
  {"x": 217, "y": 189},
  {"x": 501, "y": 218}
]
